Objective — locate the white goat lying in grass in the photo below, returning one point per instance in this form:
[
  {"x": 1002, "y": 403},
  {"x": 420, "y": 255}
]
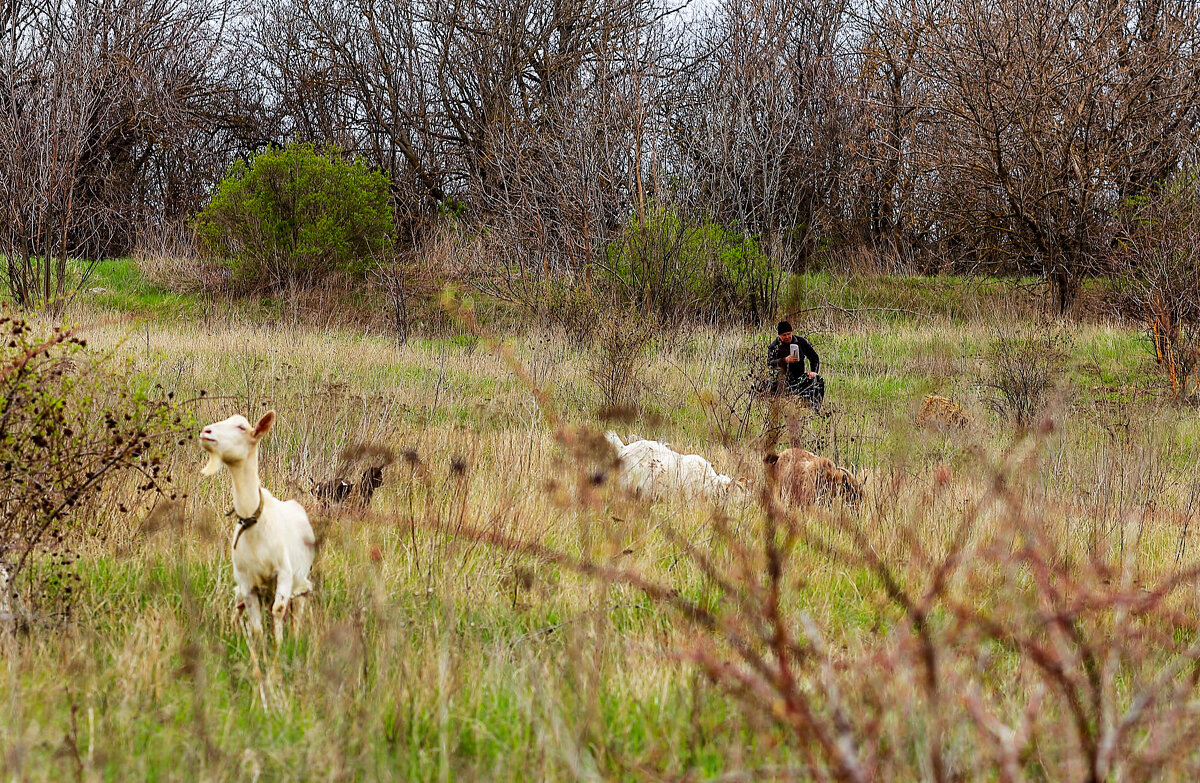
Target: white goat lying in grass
[
  {"x": 650, "y": 469},
  {"x": 274, "y": 541}
]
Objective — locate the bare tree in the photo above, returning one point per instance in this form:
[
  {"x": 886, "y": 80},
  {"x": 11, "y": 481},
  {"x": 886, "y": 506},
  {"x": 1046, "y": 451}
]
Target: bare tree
[
  {"x": 885, "y": 181},
  {"x": 49, "y": 98},
  {"x": 111, "y": 113},
  {"x": 431, "y": 90},
  {"x": 1162, "y": 260},
  {"x": 757, "y": 122},
  {"x": 572, "y": 179},
  {"x": 1048, "y": 114}
]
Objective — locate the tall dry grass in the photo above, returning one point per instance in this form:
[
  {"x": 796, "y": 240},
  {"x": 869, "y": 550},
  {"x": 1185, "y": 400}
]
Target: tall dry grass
[{"x": 1002, "y": 607}]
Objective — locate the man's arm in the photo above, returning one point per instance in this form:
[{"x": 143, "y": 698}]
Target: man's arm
[
  {"x": 814, "y": 361},
  {"x": 776, "y": 354}
]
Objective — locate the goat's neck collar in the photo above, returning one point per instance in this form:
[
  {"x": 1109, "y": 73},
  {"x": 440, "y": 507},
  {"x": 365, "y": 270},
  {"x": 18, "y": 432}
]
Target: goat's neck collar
[
  {"x": 245, "y": 523},
  {"x": 250, "y": 520}
]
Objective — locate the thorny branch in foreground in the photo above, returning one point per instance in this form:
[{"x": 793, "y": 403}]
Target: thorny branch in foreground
[{"x": 70, "y": 428}]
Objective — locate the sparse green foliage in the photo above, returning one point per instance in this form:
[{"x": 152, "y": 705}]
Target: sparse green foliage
[
  {"x": 298, "y": 214},
  {"x": 676, "y": 268}
]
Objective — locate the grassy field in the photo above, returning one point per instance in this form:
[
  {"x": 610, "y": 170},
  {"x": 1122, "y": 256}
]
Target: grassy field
[{"x": 429, "y": 654}]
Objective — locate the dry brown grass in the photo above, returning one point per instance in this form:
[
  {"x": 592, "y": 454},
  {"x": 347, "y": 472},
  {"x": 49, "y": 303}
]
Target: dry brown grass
[{"x": 499, "y": 613}]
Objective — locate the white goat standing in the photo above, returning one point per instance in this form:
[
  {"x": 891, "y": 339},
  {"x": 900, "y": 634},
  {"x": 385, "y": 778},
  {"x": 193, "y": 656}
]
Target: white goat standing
[{"x": 274, "y": 540}]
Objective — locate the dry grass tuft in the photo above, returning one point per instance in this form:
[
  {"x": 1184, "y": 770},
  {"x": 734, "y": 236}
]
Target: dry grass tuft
[{"x": 938, "y": 412}]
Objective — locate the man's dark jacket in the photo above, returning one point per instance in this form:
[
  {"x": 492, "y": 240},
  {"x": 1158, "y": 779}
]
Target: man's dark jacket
[{"x": 779, "y": 351}]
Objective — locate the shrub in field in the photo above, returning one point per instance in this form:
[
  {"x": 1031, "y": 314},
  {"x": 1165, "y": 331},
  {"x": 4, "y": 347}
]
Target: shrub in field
[
  {"x": 297, "y": 214},
  {"x": 618, "y": 357},
  {"x": 1021, "y": 369},
  {"x": 70, "y": 429},
  {"x": 729, "y": 399},
  {"x": 676, "y": 268},
  {"x": 1161, "y": 257}
]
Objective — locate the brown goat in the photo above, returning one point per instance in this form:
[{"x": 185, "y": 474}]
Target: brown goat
[
  {"x": 339, "y": 490},
  {"x": 804, "y": 478}
]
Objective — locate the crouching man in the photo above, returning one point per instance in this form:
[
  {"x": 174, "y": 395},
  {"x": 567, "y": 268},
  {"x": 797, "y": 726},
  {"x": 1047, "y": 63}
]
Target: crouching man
[{"x": 787, "y": 354}]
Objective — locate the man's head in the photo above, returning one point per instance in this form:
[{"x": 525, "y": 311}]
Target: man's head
[{"x": 785, "y": 331}]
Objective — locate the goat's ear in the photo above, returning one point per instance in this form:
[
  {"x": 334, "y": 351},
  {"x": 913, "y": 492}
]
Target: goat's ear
[
  {"x": 212, "y": 466},
  {"x": 264, "y": 424},
  {"x": 771, "y": 459}
]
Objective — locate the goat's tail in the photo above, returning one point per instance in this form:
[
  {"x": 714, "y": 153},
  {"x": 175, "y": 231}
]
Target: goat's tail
[{"x": 615, "y": 440}]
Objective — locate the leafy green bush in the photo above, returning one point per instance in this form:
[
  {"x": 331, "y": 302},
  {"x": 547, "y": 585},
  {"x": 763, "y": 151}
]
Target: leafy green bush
[
  {"x": 674, "y": 268},
  {"x": 297, "y": 214}
]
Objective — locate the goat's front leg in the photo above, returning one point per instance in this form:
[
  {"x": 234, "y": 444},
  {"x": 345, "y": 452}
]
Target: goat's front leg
[
  {"x": 248, "y": 602},
  {"x": 253, "y": 606},
  {"x": 283, "y": 594}
]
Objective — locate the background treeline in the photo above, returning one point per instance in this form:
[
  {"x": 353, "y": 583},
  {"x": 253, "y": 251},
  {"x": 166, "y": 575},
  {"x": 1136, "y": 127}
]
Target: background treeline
[{"x": 542, "y": 145}]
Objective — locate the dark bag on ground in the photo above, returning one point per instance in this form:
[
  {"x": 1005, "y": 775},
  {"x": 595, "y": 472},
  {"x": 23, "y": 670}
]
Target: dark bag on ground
[{"x": 811, "y": 390}]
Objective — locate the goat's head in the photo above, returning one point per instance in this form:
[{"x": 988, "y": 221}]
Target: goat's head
[
  {"x": 372, "y": 479},
  {"x": 233, "y": 441},
  {"x": 739, "y": 489},
  {"x": 851, "y": 488}
]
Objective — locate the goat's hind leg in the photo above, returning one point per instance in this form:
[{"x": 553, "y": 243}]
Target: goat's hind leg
[
  {"x": 301, "y": 589},
  {"x": 298, "y": 604}
]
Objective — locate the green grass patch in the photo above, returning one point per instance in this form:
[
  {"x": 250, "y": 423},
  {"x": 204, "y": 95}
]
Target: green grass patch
[{"x": 118, "y": 284}]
